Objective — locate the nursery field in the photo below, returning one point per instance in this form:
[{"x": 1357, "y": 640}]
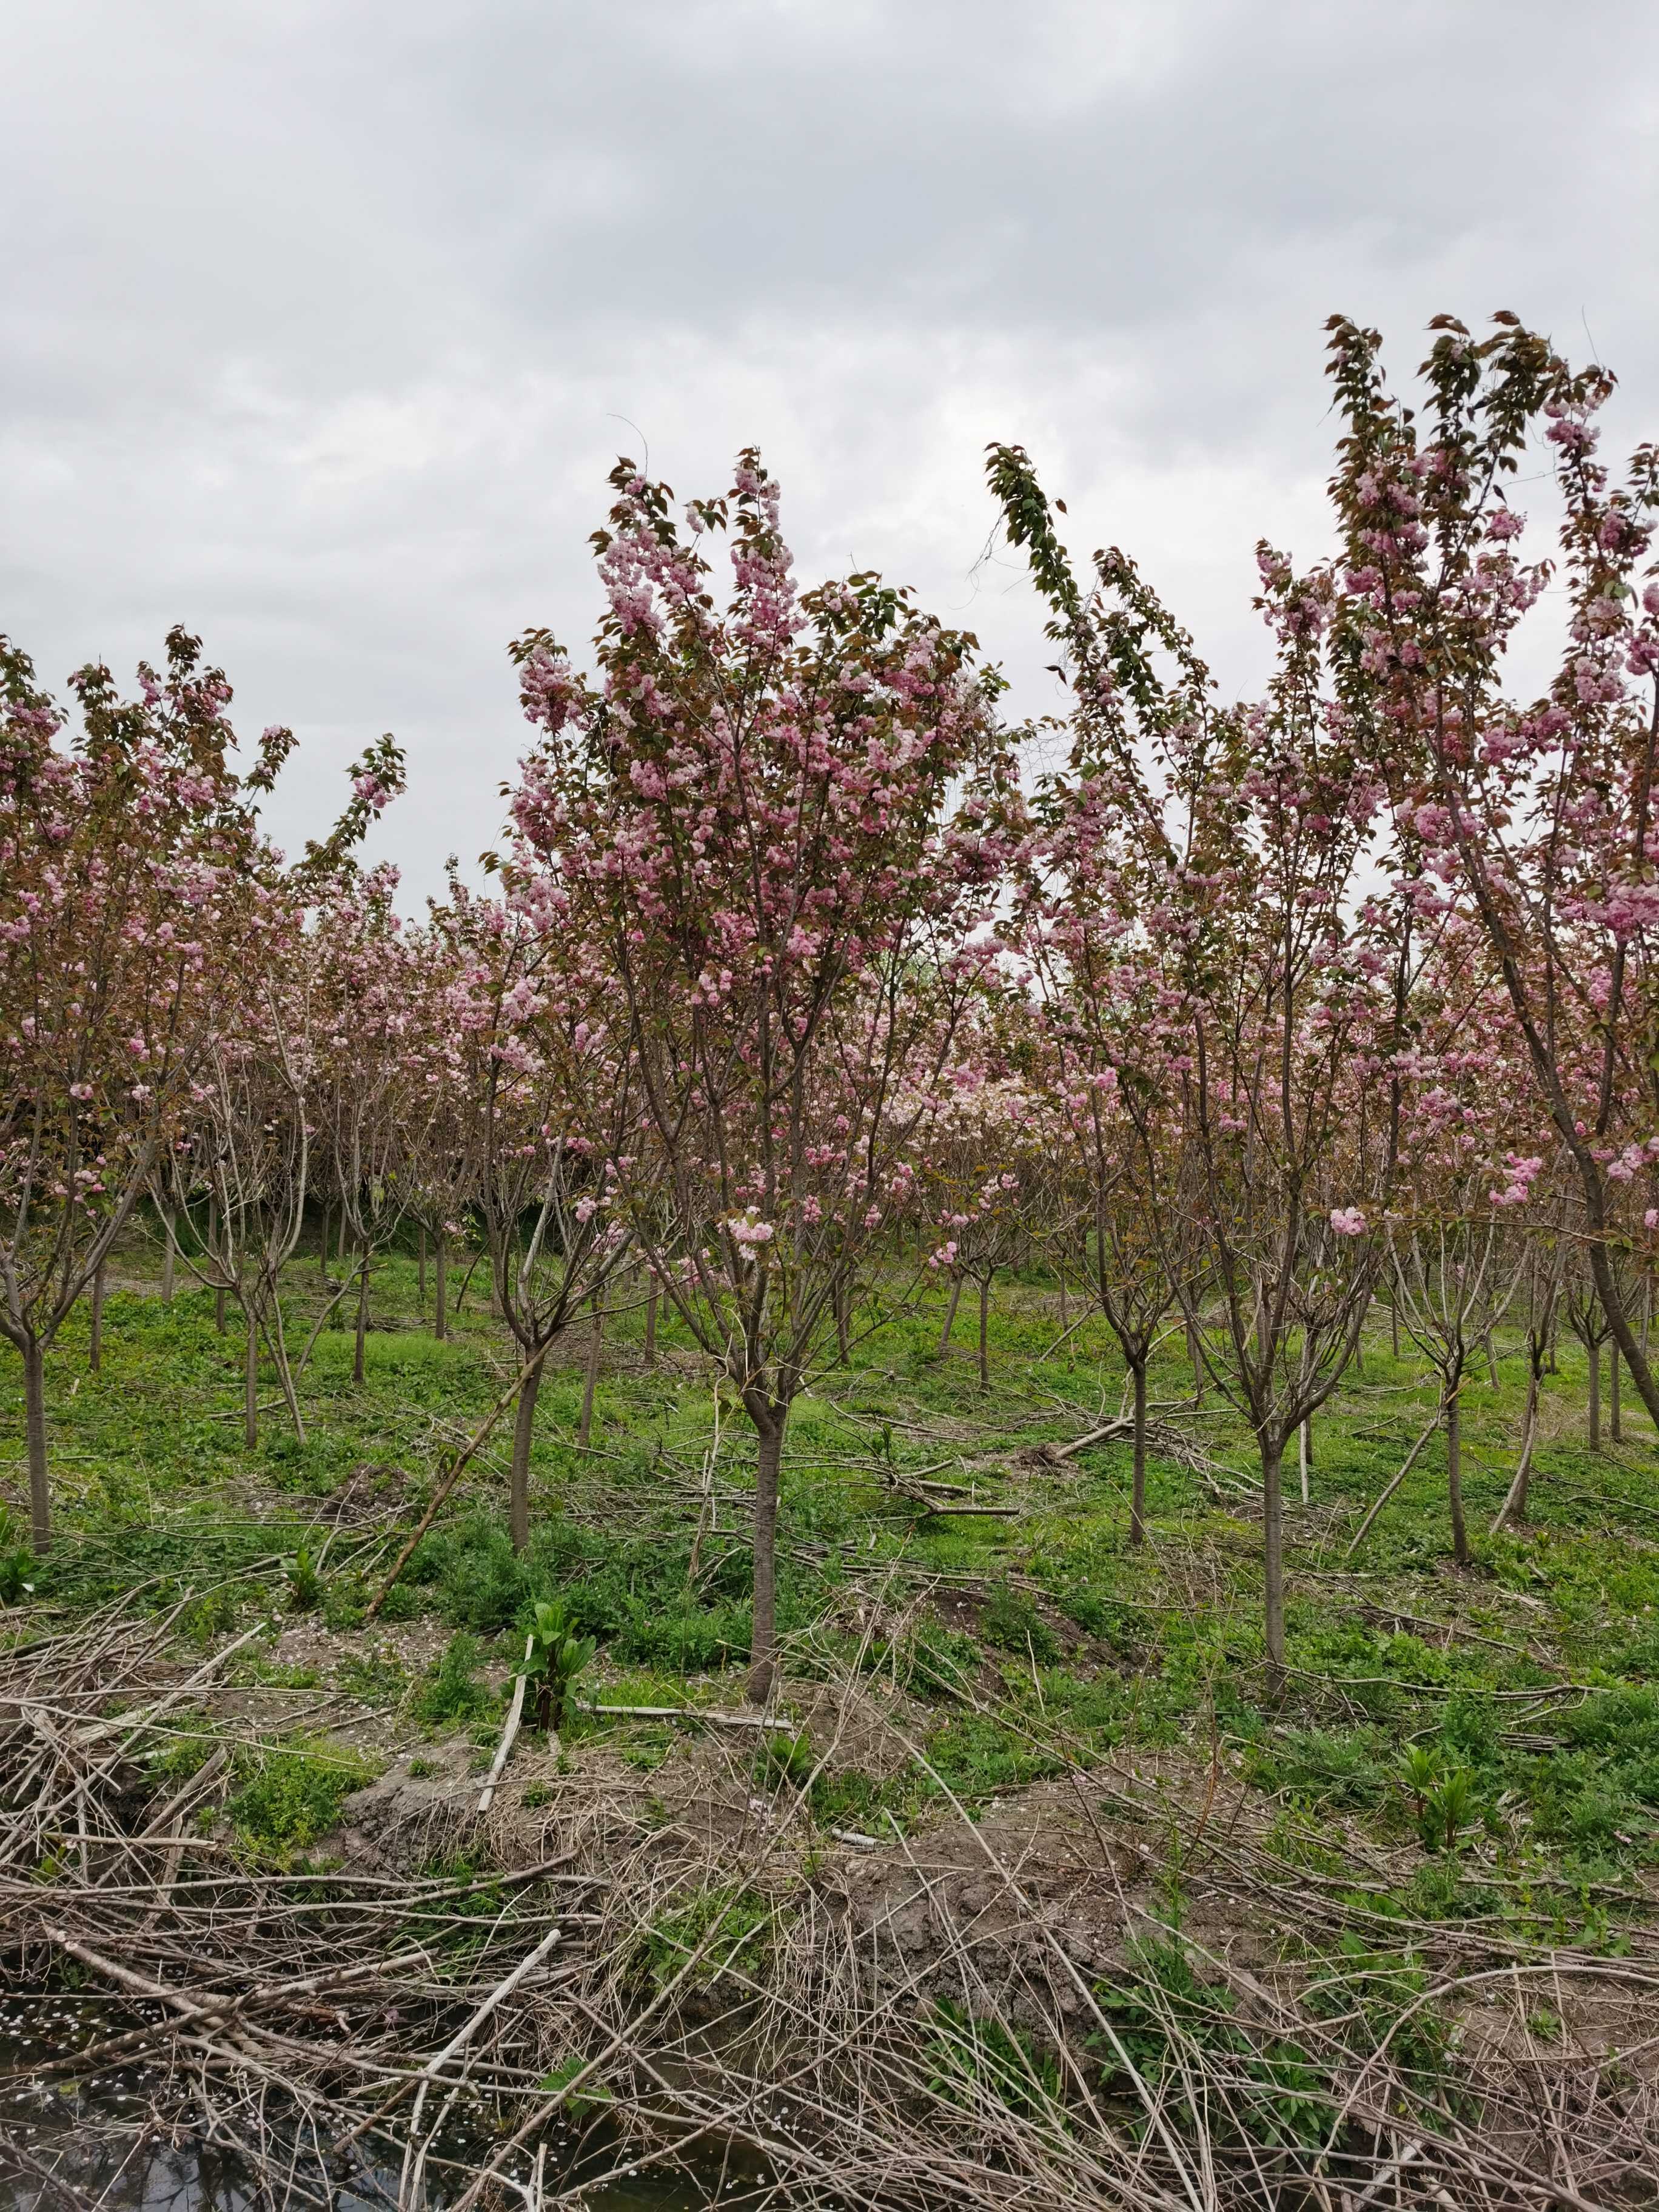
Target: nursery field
[{"x": 1032, "y": 1772}]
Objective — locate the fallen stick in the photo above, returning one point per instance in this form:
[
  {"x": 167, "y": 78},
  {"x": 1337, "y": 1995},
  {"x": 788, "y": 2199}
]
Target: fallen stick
[
  {"x": 1410, "y": 1462},
  {"x": 410, "y": 2186},
  {"x": 685, "y": 1713},
  {"x": 462, "y": 1458},
  {"x": 515, "y": 1714}
]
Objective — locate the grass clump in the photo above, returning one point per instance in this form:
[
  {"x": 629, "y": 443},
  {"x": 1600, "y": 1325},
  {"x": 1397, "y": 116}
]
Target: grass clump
[
  {"x": 291, "y": 1794},
  {"x": 450, "y": 1689}
]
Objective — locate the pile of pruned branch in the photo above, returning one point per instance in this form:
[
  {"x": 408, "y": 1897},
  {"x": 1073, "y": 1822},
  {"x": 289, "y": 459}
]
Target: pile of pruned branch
[{"x": 719, "y": 1983}]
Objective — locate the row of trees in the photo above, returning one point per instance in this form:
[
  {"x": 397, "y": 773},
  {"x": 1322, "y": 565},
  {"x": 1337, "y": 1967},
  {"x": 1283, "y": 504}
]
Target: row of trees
[{"x": 791, "y": 995}]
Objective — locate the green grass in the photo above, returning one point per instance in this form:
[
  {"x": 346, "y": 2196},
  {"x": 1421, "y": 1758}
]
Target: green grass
[{"x": 1532, "y": 1674}]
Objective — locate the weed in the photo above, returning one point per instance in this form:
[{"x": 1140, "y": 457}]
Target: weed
[
  {"x": 977, "y": 2061},
  {"x": 725, "y": 1930},
  {"x": 1010, "y": 1620},
  {"x": 1448, "y": 1808},
  {"x": 783, "y": 1762},
  {"x": 450, "y": 1690},
  {"x": 557, "y": 1658},
  {"x": 16, "y": 1562},
  {"x": 291, "y": 1794},
  {"x": 305, "y": 1583}
]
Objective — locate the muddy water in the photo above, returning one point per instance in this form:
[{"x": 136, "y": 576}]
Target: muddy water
[{"x": 84, "y": 2133}]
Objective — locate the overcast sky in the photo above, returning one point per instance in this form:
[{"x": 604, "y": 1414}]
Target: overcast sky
[{"x": 322, "y": 320}]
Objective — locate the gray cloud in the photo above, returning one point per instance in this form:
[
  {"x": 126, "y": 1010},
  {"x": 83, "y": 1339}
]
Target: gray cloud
[{"x": 319, "y": 318}]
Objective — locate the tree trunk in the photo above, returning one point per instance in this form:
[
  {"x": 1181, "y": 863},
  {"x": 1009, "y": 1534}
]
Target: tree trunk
[
  {"x": 420, "y": 1288},
  {"x": 843, "y": 1348},
  {"x": 95, "y": 1349},
  {"x": 441, "y": 1288},
  {"x": 251, "y": 1382},
  {"x": 524, "y": 1429},
  {"x": 1138, "y": 1483},
  {"x": 357, "y": 1367},
  {"x": 1304, "y": 1454},
  {"x": 218, "y": 1268},
  {"x": 340, "y": 1252},
  {"x": 650, "y": 1326},
  {"x": 1272, "y": 1562},
  {"x": 1455, "y": 1474},
  {"x": 34, "y": 1417},
  {"x": 1615, "y": 1427},
  {"x": 1063, "y": 1318},
  {"x": 1492, "y": 1360},
  {"x": 951, "y": 1315},
  {"x": 763, "y": 1645},
  {"x": 984, "y": 1348},
  {"x": 1195, "y": 1361},
  {"x": 591, "y": 1376},
  {"x": 1514, "y": 1508},
  {"x": 1394, "y": 1328},
  {"x": 169, "y": 1252},
  {"x": 1594, "y": 1350},
  {"x": 322, "y": 1249}
]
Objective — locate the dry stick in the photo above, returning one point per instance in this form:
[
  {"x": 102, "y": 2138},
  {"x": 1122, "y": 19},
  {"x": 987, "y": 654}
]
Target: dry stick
[
  {"x": 475, "y": 1444},
  {"x": 685, "y": 1713},
  {"x": 409, "y": 2187},
  {"x": 515, "y": 1714},
  {"x": 1410, "y": 1462}
]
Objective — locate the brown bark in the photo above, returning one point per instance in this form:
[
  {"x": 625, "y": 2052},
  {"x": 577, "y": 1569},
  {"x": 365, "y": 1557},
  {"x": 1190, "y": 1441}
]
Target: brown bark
[
  {"x": 984, "y": 1322},
  {"x": 1273, "y": 1558},
  {"x": 441, "y": 1288},
  {"x": 35, "y": 1418},
  {"x": 650, "y": 1326},
  {"x": 420, "y": 1287},
  {"x": 322, "y": 1248},
  {"x": 1594, "y": 1350},
  {"x": 591, "y": 1376},
  {"x": 251, "y": 1382},
  {"x": 763, "y": 1646},
  {"x": 1615, "y": 1427},
  {"x": 1454, "y": 1476},
  {"x": 524, "y": 1429},
  {"x": 95, "y": 1348},
  {"x": 1138, "y": 1483},
  {"x": 169, "y": 1253},
  {"x": 951, "y": 1315},
  {"x": 357, "y": 1361}
]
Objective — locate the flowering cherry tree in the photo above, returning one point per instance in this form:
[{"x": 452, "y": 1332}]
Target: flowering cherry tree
[
  {"x": 746, "y": 829},
  {"x": 1216, "y": 855},
  {"x": 128, "y": 862},
  {"x": 1539, "y": 813}
]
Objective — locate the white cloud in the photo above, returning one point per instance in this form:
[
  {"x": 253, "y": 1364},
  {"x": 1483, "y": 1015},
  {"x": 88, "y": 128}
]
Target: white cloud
[{"x": 320, "y": 317}]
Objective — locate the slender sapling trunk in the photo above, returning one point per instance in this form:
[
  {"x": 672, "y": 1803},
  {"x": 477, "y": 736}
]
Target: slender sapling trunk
[
  {"x": 1455, "y": 1474},
  {"x": 591, "y": 1376},
  {"x": 763, "y": 1648},
  {"x": 650, "y": 1326},
  {"x": 34, "y": 1419},
  {"x": 951, "y": 1315},
  {"x": 1138, "y": 1483},
  {"x": 1615, "y": 1427},
  {"x": 357, "y": 1365},
  {"x": 95, "y": 1349},
  {"x": 441, "y": 1288},
  {"x": 984, "y": 1345},
  {"x": 1272, "y": 1558},
  {"x": 524, "y": 1429}
]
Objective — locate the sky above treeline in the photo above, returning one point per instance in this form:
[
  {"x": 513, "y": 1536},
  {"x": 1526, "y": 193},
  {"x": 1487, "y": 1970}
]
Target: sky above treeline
[{"x": 325, "y": 320}]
